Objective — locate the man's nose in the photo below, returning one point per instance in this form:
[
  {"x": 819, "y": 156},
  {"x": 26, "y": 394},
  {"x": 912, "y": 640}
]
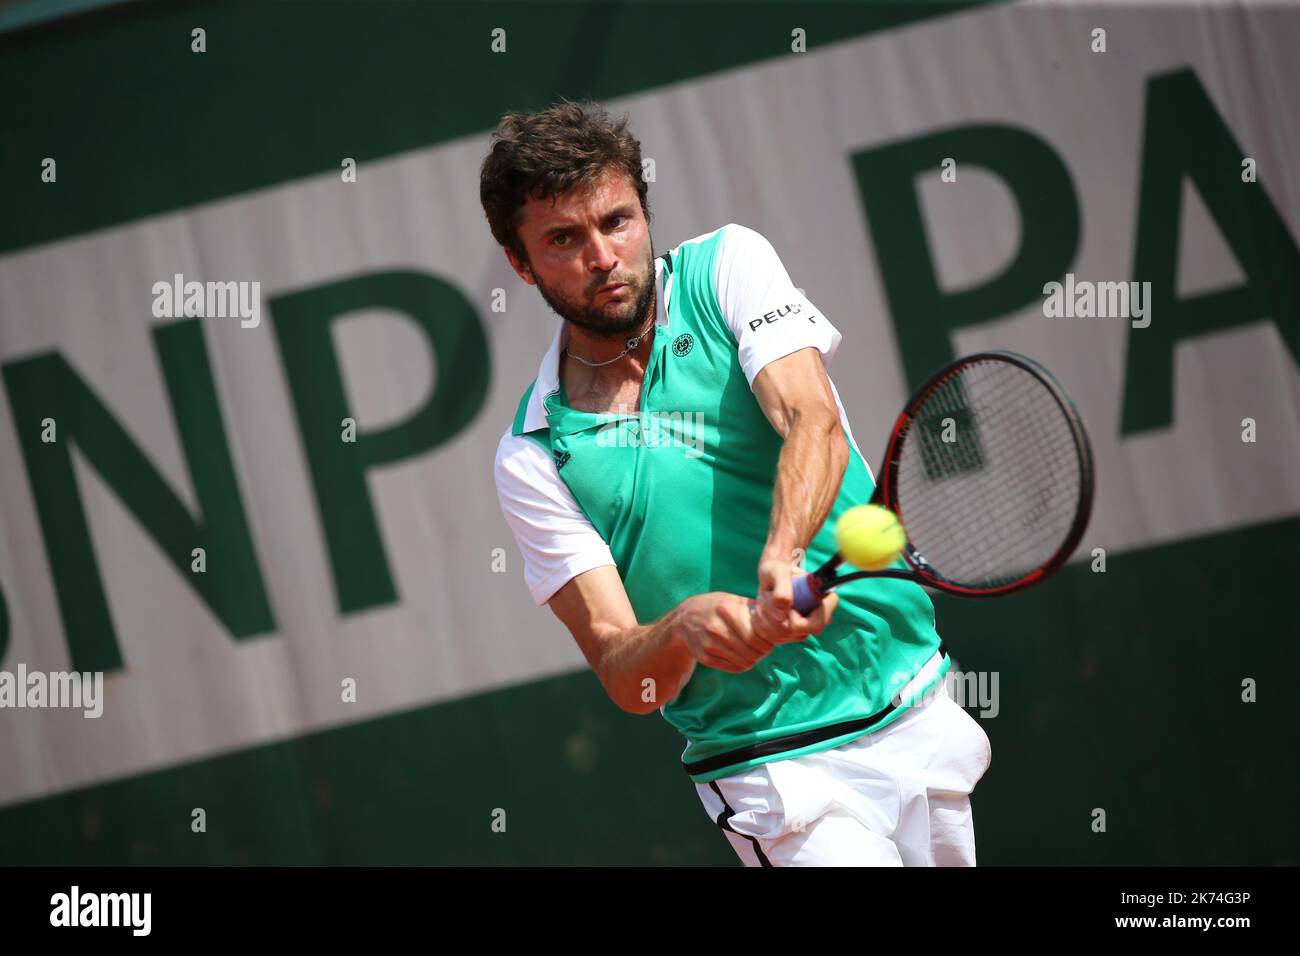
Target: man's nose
[{"x": 603, "y": 255}]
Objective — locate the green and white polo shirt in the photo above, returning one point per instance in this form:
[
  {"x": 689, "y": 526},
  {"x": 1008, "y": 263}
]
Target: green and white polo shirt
[{"x": 678, "y": 495}]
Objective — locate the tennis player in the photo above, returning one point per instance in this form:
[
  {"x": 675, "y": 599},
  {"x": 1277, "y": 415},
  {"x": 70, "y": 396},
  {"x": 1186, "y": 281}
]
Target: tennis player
[{"x": 680, "y": 454}]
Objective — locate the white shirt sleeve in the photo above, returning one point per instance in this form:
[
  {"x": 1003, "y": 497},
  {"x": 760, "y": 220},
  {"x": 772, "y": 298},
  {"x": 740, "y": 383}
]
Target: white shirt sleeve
[
  {"x": 555, "y": 538},
  {"x": 768, "y": 315}
]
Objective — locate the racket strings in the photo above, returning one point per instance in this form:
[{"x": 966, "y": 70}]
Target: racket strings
[
  {"x": 1013, "y": 531},
  {"x": 989, "y": 478},
  {"x": 1015, "y": 528}
]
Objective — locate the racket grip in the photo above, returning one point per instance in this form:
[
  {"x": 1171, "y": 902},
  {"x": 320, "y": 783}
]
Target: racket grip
[{"x": 807, "y": 594}]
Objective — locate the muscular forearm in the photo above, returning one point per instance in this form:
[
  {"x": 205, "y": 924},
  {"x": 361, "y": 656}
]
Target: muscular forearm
[
  {"x": 808, "y": 476},
  {"x": 646, "y": 653}
]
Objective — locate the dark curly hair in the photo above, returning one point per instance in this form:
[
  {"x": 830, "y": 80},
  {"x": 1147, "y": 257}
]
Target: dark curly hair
[{"x": 566, "y": 146}]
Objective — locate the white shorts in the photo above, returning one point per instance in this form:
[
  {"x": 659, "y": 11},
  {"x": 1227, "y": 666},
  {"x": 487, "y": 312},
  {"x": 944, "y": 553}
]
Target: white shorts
[{"x": 897, "y": 797}]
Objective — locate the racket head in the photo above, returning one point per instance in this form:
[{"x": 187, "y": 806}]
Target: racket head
[{"x": 1024, "y": 437}]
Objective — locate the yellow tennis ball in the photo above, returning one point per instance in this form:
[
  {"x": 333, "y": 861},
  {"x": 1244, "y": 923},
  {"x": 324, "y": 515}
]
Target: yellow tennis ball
[{"x": 870, "y": 537}]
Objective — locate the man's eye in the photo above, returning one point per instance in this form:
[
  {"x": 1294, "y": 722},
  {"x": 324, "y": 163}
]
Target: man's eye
[{"x": 556, "y": 240}]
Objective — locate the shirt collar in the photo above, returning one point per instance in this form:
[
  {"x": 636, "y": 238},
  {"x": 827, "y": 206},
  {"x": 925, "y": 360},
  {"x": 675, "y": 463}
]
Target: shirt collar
[{"x": 548, "y": 373}]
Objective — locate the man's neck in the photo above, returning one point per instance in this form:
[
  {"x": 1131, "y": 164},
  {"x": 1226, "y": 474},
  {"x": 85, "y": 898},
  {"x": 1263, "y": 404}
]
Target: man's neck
[{"x": 579, "y": 378}]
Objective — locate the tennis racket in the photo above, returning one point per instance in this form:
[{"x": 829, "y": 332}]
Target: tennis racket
[{"x": 990, "y": 472}]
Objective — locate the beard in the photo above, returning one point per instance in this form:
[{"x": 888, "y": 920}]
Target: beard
[{"x": 611, "y": 319}]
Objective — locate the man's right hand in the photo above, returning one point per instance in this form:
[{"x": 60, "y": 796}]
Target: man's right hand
[{"x": 718, "y": 629}]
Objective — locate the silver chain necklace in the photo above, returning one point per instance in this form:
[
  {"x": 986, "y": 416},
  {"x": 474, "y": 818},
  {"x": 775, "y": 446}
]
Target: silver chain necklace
[{"x": 631, "y": 344}]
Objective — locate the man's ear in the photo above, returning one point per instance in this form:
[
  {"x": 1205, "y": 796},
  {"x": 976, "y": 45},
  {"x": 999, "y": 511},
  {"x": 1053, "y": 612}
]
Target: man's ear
[{"x": 522, "y": 269}]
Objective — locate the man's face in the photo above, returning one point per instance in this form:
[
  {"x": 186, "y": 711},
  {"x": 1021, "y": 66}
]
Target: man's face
[{"x": 580, "y": 242}]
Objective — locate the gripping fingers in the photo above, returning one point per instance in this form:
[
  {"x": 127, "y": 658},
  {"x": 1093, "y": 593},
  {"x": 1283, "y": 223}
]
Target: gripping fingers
[
  {"x": 820, "y": 617},
  {"x": 718, "y": 653},
  {"x": 741, "y": 620},
  {"x": 720, "y": 664},
  {"x": 770, "y": 630},
  {"x": 731, "y": 644}
]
